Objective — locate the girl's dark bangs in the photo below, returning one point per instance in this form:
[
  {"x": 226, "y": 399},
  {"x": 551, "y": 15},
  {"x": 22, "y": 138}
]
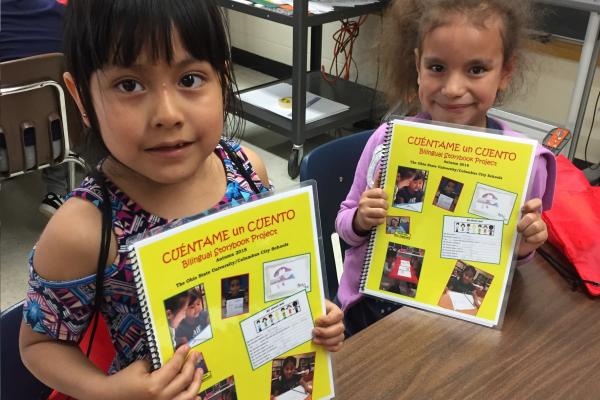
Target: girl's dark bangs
[
  {"x": 196, "y": 20},
  {"x": 151, "y": 30},
  {"x": 141, "y": 27}
]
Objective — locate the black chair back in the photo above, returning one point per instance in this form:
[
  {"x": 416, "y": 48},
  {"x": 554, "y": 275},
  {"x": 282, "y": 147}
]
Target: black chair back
[
  {"x": 333, "y": 165},
  {"x": 16, "y": 381}
]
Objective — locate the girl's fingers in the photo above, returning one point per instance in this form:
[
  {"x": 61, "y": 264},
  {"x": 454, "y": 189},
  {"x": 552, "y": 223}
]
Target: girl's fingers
[
  {"x": 532, "y": 205},
  {"x": 534, "y": 235},
  {"x": 371, "y": 213},
  {"x": 326, "y": 333},
  {"x": 537, "y": 237},
  {"x": 526, "y": 221},
  {"x": 178, "y": 387},
  {"x": 369, "y": 217},
  {"x": 186, "y": 375},
  {"x": 329, "y": 331},
  {"x": 375, "y": 194},
  {"x": 371, "y": 222},
  {"x": 191, "y": 392},
  {"x": 535, "y": 228},
  {"x": 531, "y": 213},
  {"x": 377, "y": 212},
  {"x": 331, "y": 344},
  {"x": 374, "y": 204},
  {"x": 335, "y": 348},
  {"x": 333, "y": 315},
  {"x": 170, "y": 369}
]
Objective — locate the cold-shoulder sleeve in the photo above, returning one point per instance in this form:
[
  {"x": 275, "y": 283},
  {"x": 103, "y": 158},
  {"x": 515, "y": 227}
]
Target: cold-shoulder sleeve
[{"x": 59, "y": 309}]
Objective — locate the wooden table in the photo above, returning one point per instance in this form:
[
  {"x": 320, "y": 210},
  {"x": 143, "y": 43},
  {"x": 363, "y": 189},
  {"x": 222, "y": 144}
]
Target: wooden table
[{"x": 548, "y": 348}]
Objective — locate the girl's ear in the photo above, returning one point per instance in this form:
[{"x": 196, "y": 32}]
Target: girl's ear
[
  {"x": 506, "y": 74},
  {"x": 417, "y": 62},
  {"x": 72, "y": 88}
]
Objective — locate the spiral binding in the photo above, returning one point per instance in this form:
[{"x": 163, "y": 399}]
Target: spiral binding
[
  {"x": 143, "y": 302},
  {"x": 384, "y": 164}
]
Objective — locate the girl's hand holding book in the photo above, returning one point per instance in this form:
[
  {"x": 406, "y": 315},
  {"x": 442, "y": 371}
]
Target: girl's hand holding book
[
  {"x": 329, "y": 331},
  {"x": 371, "y": 211},
  {"x": 177, "y": 379},
  {"x": 532, "y": 228},
  {"x": 372, "y": 208}
]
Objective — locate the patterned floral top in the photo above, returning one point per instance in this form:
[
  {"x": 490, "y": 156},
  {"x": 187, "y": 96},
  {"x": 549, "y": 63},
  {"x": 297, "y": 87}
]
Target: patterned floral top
[{"x": 63, "y": 309}]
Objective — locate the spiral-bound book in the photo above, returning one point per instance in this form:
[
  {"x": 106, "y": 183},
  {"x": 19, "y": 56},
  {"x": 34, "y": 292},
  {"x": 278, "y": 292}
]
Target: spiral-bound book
[
  {"x": 242, "y": 286},
  {"x": 448, "y": 242}
]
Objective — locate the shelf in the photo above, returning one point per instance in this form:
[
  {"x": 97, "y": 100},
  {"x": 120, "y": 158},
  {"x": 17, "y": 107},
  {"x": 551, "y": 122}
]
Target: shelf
[
  {"x": 359, "y": 98},
  {"x": 311, "y": 19}
]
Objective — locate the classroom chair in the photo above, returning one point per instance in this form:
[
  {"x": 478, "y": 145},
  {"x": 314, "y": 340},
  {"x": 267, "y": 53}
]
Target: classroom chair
[
  {"x": 332, "y": 166},
  {"x": 16, "y": 381},
  {"x": 39, "y": 119}
]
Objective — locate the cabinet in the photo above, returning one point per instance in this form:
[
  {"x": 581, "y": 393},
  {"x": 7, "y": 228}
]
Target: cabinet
[{"x": 303, "y": 79}]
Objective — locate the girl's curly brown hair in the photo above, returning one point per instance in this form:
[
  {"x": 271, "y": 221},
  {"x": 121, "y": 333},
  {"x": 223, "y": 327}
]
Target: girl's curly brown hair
[{"x": 407, "y": 22}]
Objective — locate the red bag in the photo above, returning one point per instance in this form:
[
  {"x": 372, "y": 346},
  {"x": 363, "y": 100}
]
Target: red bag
[
  {"x": 574, "y": 222},
  {"x": 101, "y": 355}
]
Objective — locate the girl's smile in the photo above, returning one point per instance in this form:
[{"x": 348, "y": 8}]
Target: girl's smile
[
  {"x": 455, "y": 107},
  {"x": 171, "y": 150}
]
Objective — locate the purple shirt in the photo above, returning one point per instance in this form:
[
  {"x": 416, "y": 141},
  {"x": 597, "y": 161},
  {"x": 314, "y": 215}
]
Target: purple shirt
[
  {"x": 30, "y": 27},
  {"x": 544, "y": 174}
]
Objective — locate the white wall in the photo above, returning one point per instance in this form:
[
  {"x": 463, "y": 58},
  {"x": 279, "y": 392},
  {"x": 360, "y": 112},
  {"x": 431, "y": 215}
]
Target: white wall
[{"x": 547, "y": 96}]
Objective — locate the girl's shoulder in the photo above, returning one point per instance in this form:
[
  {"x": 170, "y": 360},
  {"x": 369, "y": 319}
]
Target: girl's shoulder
[
  {"x": 499, "y": 125},
  {"x": 379, "y": 134},
  {"x": 68, "y": 247},
  {"x": 89, "y": 189},
  {"x": 374, "y": 144},
  {"x": 243, "y": 166}
]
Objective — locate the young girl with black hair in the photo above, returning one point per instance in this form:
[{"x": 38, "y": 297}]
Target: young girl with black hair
[{"x": 153, "y": 82}]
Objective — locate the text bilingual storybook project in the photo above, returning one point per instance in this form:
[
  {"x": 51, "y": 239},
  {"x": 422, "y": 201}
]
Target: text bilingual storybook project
[
  {"x": 242, "y": 286},
  {"x": 455, "y": 198}
]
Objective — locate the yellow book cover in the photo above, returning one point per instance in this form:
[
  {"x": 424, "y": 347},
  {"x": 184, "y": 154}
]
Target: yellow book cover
[
  {"x": 242, "y": 286},
  {"x": 455, "y": 197}
]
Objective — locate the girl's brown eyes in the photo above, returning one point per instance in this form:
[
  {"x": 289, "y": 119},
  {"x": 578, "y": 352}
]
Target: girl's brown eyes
[
  {"x": 187, "y": 81},
  {"x": 129, "y": 85},
  {"x": 191, "y": 81},
  {"x": 477, "y": 70}
]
